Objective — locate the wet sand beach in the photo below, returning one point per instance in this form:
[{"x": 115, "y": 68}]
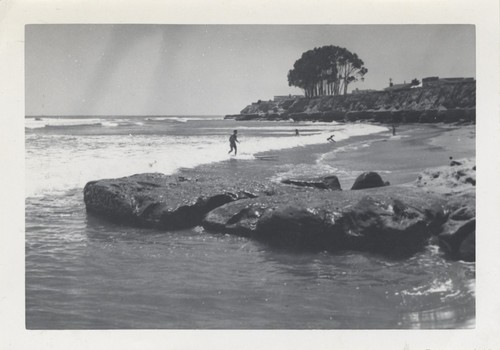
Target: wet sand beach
[{"x": 398, "y": 159}]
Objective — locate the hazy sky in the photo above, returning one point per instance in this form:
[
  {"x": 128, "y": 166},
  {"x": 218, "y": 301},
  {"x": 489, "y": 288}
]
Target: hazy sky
[{"x": 216, "y": 69}]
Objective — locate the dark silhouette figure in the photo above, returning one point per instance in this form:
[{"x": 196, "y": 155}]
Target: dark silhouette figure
[
  {"x": 296, "y": 132},
  {"x": 393, "y": 129},
  {"x": 232, "y": 142},
  {"x": 331, "y": 138}
]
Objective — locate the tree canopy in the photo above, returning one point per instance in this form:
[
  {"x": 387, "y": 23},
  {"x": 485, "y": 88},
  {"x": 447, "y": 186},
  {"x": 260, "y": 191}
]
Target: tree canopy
[
  {"x": 327, "y": 70},
  {"x": 415, "y": 82}
]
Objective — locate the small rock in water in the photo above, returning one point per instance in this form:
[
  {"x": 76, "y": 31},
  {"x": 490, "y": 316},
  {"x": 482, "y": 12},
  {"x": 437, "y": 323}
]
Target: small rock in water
[
  {"x": 459, "y": 240},
  {"x": 368, "y": 180},
  {"x": 454, "y": 162}
]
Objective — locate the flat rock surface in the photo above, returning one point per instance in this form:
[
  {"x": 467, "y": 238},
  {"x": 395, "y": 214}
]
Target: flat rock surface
[
  {"x": 167, "y": 201},
  {"x": 325, "y": 183},
  {"x": 395, "y": 220}
]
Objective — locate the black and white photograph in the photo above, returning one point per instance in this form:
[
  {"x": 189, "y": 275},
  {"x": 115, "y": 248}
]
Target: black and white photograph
[
  {"x": 254, "y": 176},
  {"x": 341, "y": 195}
]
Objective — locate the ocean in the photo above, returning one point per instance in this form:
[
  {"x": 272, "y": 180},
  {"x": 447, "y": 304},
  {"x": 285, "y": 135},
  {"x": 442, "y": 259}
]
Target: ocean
[{"x": 86, "y": 273}]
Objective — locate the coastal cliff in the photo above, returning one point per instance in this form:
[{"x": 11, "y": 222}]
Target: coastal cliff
[{"x": 448, "y": 103}]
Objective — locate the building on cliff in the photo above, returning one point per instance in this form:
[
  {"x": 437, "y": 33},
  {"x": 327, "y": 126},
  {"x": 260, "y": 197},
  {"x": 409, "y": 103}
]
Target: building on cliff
[
  {"x": 286, "y": 97},
  {"x": 398, "y": 87},
  {"x": 436, "y": 81},
  {"x": 357, "y": 91}
]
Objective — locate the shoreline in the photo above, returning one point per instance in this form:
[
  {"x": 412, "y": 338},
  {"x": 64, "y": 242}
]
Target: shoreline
[
  {"x": 399, "y": 159},
  {"x": 407, "y": 192}
]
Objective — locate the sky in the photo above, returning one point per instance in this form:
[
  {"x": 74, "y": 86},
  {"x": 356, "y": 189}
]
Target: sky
[{"x": 135, "y": 69}]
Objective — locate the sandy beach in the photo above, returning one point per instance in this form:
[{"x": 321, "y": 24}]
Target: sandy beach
[{"x": 398, "y": 159}]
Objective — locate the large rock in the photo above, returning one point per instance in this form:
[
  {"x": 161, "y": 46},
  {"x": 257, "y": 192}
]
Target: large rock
[
  {"x": 457, "y": 183},
  {"x": 467, "y": 249},
  {"x": 395, "y": 221},
  {"x": 169, "y": 202},
  {"x": 368, "y": 180},
  {"x": 460, "y": 243},
  {"x": 458, "y": 237},
  {"x": 325, "y": 183}
]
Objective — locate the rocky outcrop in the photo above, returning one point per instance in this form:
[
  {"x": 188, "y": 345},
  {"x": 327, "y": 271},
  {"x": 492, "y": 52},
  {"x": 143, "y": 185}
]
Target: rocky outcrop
[
  {"x": 451, "y": 103},
  {"x": 324, "y": 183},
  {"x": 459, "y": 176},
  {"x": 368, "y": 180},
  {"x": 168, "y": 202},
  {"x": 458, "y": 237},
  {"x": 396, "y": 221},
  {"x": 456, "y": 183},
  {"x": 459, "y": 240},
  {"x": 304, "y": 213}
]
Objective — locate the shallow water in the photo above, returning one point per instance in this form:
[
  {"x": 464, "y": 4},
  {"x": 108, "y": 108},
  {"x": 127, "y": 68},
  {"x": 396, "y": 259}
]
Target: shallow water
[
  {"x": 82, "y": 272},
  {"x": 86, "y": 273}
]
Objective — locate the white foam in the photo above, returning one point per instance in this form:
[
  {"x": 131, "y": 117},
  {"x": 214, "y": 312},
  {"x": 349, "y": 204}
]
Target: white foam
[
  {"x": 32, "y": 123},
  {"x": 437, "y": 286},
  {"x": 110, "y": 124},
  {"x": 56, "y": 163},
  {"x": 182, "y": 119}
]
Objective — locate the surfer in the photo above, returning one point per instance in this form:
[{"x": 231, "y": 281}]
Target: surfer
[
  {"x": 232, "y": 142},
  {"x": 331, "y": 138},
  {"x": 296, "y": 132}
]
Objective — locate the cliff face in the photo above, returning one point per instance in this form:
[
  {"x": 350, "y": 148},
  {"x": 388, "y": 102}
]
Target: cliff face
[{"x": 444, "y": 103}]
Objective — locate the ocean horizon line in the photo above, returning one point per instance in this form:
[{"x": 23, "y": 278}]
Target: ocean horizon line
[{"x": 120, "y": 115}]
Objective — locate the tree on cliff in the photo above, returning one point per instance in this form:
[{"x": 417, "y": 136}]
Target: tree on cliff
[
  {"x": 327, "y": 70},
  {"x": 415, "y": 82}
]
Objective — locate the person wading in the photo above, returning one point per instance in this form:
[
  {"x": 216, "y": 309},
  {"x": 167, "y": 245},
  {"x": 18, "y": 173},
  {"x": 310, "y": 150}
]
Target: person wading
[{"x": 232, "y": 142}]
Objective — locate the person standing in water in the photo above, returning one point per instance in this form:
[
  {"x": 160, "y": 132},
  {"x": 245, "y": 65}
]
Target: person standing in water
[
  {"x": 296, "y": 132},
  {"x": 232, "y": 142}
]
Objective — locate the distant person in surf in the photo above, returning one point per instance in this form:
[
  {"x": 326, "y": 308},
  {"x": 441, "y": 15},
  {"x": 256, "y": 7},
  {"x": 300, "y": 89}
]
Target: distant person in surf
[
  {"x": 232, "y": 142},
  {"x": 296, "y": 132},
  {"x": 331, "y": 138},
  {"x": 393, "y": 129}
]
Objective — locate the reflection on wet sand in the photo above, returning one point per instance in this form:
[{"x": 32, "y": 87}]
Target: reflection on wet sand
[{"x": 444, "y": 317}]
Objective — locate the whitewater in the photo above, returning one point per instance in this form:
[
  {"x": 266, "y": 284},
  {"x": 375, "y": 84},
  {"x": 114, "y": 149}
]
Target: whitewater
[{"x": 66, "y": 152}]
